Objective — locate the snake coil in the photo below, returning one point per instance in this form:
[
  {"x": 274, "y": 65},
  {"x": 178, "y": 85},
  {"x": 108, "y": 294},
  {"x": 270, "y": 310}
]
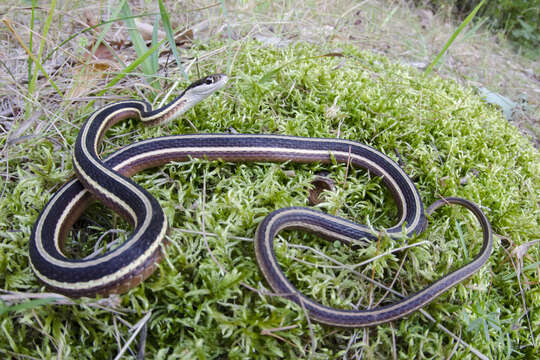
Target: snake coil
[{"x": 126, "y": 266}]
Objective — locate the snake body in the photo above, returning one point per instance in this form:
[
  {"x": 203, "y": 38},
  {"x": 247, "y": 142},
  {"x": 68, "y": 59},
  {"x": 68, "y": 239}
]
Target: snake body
[{"x": 126, "y": 266}]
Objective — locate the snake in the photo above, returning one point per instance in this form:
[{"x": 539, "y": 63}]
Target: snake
[{"x": 124, "y": 267}]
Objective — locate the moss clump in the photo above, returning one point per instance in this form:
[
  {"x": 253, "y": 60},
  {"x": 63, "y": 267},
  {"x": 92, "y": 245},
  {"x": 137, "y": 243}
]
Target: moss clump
[{"x": 451, "y": 144}]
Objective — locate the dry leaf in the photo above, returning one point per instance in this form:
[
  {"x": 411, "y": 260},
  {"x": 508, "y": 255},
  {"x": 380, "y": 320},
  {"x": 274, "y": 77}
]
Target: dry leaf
[
  {"x": 183, "y": 37},
  {"x": 146, "y": 30},
  {"x": 520, "y": 251},
  {"x": 113, "y": 37},
  {"x": 102, "y": 53},
  {"x": 101, "y": 60}
]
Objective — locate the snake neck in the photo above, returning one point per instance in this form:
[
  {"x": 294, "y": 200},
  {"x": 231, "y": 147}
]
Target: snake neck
[{"x": 179, "y": 106}]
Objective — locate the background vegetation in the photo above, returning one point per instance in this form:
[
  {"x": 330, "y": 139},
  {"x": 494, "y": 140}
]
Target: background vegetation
[
  {"x": 518, "y": 19},
  {"x": 310, "y": 69}
]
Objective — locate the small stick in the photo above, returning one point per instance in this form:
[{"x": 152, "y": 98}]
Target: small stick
[{"x": 138, "y": 327}]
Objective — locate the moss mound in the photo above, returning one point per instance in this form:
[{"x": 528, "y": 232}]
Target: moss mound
[{"x": 447, "y": 140}]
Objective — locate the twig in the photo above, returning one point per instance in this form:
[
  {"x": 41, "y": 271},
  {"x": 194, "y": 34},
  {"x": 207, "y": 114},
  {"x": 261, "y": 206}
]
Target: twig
[
  {"x": 394, "y": 350},
  {"x": 11, "y": 297},
  {"x": 351, "y": 341},
  {"x": 310, "y": 326},
  {"x": 522, "y": 293},
  {"x": 347, "y": 168},
  {"x": 454, "y": 349},
  {"x": 453, "y": 336},
  {"x": 117, "y": 335},
  {"x": 270, "y": 332},
  {"x": 138, "y": 327},
  {"x": 350, "y": 267},
  {"x": 142, "y": 342},
  {"x": 393, "y": 280},
  {"x": 98, "y": 248},
  {"x": 40, "y": 330},
  {"x": 195, "y": 232},
  {"x": 388, "y": 128}
]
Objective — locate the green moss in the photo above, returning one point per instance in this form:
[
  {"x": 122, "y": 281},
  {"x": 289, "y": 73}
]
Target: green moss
[{"x": 441, "y": 131}]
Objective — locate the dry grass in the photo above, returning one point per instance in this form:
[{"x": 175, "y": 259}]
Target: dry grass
[
  {"x": 404, "y": 34},
  {"x": 408, "y": 35}
]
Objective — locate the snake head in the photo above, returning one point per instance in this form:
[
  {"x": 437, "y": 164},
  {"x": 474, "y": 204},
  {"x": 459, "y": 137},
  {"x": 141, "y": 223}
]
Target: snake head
[{"x": 207, "y": 85}]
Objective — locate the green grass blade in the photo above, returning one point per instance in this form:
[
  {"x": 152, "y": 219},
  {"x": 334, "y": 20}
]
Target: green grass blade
[
  {"x": 131, "y": 67},
  {"x": 475, "y": 28},
  {"x": 453, "y": 37},
  {"x": 31, "y": 85},
  {"x": 104, "y": 23},
  {"x": 461, "y": 239},
  {"x": 30, "y": 45},
  {"x": 44, "y": 34},
  {"x": 155, "y": 56},
  {"x": 389, "y": 16},
  {"x": 138, "y": 42},
  {"x": 27, "y": 305},
  {"x": 170, "y": 37}
]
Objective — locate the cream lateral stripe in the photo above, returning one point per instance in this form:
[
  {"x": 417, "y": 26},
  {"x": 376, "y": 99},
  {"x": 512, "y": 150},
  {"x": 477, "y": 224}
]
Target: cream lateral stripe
[
  {"x": 270, "y": 137},
  {"x": 158, "y": 152},
  {"x": 105, "y": 124},
  {"x": 118, "y": 179},
  {"x": 111, "y": 174},
  {"x": 319, "y": 229},
  {"x": 104, "y": 191},
  {"x": 65, "y": 213},
  {"x": 61, "y": 220},
  {"x": 172, "y": 112},
  {"x": 192, "y": 150},
  {"x": 176, "y": 112},
  {"x": 45, "y": 214},
  {"x": 402, "y": 307},
  {"x": 277, "y": 150},
  {"x": 108, "y": 256},
  {"x": 277, "y": 271},
  {"x": 114, "y": 198},
  {"x": 108, "y": 278},
  {"x": 56, "y": 235},
  {"x": 268, "y": 239}
]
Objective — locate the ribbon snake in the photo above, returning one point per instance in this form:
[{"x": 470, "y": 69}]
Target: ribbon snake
[{"x": 124, "y": 267}]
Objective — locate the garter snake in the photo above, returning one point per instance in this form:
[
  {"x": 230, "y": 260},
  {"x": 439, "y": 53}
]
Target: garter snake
[{"x": 130, "y": 263}]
